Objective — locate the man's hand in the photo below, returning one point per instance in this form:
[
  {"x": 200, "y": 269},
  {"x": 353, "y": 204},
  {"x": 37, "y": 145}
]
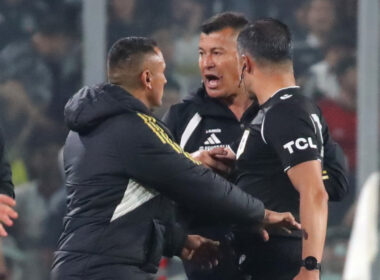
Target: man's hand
[
  {"x": 201, "y": 251},
  {"x": 274, "y": 221},
  {"x": 219, "y": 159},
  {"x": 305, "y": 274},
  {"x": 228, "y": 156},
  {"x": 6, "y": 213}
]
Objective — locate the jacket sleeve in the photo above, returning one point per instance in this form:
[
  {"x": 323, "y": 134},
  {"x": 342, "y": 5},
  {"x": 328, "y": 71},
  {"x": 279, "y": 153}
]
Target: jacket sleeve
[
  {"x": 156, "y": 161},
  {"x": 175, "y": 238},
  {"x": 6, "y": 185},
  {"x": 334, "y": 170}
]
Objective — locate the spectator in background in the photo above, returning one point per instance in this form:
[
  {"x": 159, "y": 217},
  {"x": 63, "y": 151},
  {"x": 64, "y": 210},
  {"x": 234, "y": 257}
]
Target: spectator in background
[
  {"x": 59, "y": 48},
  {"x": 23, "y": 67},
  {"x": 321, "y": 19},
  {"x": 341, "y": 117},
  {"x": 18, "y": 19},
  {"x": 7, "y": 202},
  {"x": 122, "y": 19},
  {"x": 322, "y": 80},
  {"x": 297, "y": 22},
  {"x": 187, "y": 14},
  {"x": 34, "y": 198},
  {"x": 19, "y": 114},
  {"x": 35, "y": 80},
  {"x": 131, "y": 18},
  {"x": 347, "y": 18},
  {"x": 340, "y": 114}
]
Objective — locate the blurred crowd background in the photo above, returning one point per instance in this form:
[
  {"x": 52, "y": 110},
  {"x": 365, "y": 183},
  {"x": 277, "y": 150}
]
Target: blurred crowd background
[{"x": 40, "y": 62}]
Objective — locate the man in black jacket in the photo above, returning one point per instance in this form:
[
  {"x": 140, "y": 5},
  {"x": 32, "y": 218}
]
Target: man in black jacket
[
  {"x": 123, "y": 172},
  {"x": 7, "y": 202},
  {"x": 216, "y": 116}
]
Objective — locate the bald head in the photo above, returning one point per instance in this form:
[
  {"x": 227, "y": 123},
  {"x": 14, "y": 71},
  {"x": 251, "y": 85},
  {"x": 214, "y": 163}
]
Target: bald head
[{"x": 127, "y": 58}]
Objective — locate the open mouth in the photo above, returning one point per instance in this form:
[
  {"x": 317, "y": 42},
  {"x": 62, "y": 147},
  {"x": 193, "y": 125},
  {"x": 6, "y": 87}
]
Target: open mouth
[{"x": 212, "y": 81}]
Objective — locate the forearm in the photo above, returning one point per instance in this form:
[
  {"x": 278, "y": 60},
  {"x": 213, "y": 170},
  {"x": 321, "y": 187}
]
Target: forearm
[
  {"x": 313, "y": 214},
  {"x": 307, "y": 179}
]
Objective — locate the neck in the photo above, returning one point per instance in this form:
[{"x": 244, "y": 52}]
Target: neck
[
  {"x": 138, "y": 93},
  {"x": 238, "y": 103},
  {"x": 269, "y": 82}
]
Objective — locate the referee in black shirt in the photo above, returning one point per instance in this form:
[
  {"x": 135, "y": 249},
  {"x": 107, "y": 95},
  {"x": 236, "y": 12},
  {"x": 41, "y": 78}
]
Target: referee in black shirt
[{"x": 280, "y": 155}]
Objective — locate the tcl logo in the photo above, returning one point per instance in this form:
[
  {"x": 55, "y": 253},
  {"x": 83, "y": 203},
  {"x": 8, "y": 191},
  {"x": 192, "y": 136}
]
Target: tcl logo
[{"x": 300, "y": 144}]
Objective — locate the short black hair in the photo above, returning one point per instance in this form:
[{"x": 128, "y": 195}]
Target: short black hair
[
  {"x": 266, "y": 40},
  {"x": 220, "y": 21},
  {"x": 126, "y": 48}
]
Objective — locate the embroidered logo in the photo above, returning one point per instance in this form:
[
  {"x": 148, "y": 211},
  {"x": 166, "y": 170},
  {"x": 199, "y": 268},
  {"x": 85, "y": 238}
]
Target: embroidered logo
[
  {"x": 286, "y": 96},
  {"x": 212, "y": 140}
]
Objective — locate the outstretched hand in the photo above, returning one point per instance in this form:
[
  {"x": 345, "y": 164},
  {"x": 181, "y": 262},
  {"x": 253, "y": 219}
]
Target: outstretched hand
[
  {"x": 275, "y": 221},
  {"x": 7, "y": 213},
  {"x": 201, "y": 251}
]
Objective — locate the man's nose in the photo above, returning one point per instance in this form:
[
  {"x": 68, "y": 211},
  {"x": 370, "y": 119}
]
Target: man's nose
[{"x": 207, "y": 61}]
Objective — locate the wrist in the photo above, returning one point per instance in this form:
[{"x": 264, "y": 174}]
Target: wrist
[
  {"x": 311, "y": 274},
  {"x": 311, "y": 263},
  {"x": 267, "y": 213}
]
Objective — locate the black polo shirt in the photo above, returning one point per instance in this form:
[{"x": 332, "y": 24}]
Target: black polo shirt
[{"x": 288, "y": 130}]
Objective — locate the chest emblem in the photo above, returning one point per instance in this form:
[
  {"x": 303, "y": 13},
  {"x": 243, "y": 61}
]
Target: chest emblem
[{"x": 212, "y": 140}]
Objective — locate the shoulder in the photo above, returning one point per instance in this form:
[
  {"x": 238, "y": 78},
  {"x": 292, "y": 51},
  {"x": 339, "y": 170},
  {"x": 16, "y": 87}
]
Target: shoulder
[
  {"x": 191, "y": 103},
  {"x": 182, "y": 108},
  {"x": 134, "y": 121},
  {"x": 289, "y": 115},
  {"x": 180, "y": 114},
  {"x": 136, "y": 130},
  {"x": 125, "y": 128},
  {"x": 290, "y": 106}
]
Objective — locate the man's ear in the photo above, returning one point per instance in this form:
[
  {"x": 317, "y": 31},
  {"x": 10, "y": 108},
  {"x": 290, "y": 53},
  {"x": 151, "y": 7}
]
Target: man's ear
[
  {"x": 146, "y": 79},
  {"x": 249, "y": 64}
]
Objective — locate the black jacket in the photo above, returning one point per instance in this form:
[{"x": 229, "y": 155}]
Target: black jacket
[
  {"x": 6, "y": 185},
  {"x": 122, "y": 168},
  {"x": 201, "y": 122}
]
